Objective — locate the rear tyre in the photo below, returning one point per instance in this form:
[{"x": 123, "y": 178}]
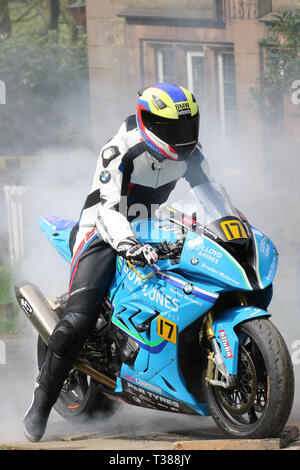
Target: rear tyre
[
  {"x": 81, "y": 396},
  {"x": 259, "y": 404}
]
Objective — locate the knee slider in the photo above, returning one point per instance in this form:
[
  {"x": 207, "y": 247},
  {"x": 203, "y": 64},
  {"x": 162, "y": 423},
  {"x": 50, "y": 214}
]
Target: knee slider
[{"x": 63, "y": 338}]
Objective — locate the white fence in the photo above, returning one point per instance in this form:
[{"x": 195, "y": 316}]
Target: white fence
[
  {"x": 2, "y": 92},
  {"x": 14, "y": 201},
  {"x": 2, "y": 352}
]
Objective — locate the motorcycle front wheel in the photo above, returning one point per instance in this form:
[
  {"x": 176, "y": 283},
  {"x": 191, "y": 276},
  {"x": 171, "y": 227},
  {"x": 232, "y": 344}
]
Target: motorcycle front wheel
[
  {"x": 258, "y": 405},
  {"x": 80, "y": 397}
]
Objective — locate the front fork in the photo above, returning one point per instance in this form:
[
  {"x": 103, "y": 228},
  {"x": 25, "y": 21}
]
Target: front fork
[{"x": 216, "y": 373}]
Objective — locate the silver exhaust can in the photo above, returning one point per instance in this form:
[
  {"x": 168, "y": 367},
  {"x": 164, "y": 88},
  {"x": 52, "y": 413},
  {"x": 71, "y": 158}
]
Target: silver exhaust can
[
  {"x": 40, "y": 312},
  {"x": 37, "y": 309}
]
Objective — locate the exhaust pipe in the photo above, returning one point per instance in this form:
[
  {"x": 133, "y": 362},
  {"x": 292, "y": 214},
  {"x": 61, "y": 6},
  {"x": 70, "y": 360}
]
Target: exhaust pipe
[
  {"x": 44, "y": 319},
  {"x": 37, "y": 309}
]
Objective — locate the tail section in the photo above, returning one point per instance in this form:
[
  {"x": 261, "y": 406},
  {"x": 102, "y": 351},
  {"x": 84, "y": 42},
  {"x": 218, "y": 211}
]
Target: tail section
[{"x": 58, "y": 232}]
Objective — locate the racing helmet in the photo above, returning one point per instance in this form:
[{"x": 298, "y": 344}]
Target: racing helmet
[{"x": 168, "y": 119}]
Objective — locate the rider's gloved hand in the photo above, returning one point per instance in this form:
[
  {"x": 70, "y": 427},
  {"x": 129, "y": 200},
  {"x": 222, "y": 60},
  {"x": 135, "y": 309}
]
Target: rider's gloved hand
[{"x": 137, "y": 253}]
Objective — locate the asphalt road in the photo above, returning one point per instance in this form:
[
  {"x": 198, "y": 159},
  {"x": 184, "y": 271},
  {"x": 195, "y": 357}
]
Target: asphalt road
[{"x": 130, "y": 428}]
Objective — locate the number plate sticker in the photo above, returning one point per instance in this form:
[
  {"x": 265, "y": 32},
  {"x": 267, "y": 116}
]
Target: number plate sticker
[
  {"x": 233, "y": 229},
  {"x": 167, "y": 329}
]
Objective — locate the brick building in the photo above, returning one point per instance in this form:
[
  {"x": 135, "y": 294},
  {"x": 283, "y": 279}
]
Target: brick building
[{"x": 211, "y": 47}]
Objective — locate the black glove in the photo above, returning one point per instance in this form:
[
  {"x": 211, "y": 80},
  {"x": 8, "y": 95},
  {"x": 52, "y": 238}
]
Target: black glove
[{"x": 137, "y": 253}]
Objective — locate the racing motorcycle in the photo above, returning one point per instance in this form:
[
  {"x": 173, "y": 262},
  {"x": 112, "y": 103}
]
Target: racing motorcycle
[{"x": 191, "y": 334}]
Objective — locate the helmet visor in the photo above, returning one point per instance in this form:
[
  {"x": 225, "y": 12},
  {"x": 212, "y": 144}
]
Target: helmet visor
[{"x": 175, "y": 132}]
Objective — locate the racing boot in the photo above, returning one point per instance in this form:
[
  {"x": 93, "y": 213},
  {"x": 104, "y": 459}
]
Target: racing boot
[
  {"x": 36, "y": 418},
  {"x": 65, "y": 342}
]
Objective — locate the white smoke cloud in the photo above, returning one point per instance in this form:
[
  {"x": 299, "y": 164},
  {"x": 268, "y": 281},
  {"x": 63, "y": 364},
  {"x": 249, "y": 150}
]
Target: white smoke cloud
[{"x": 58, "y": 185}]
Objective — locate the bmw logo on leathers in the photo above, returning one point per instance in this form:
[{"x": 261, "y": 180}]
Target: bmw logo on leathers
[{"x": 105, "y": 176}]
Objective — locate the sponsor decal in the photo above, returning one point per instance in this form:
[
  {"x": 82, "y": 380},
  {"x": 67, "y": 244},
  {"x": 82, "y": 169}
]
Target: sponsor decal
[
  {"x": 226, "y": 345},
  {"x": 188, "y": 288},
  {"x": 187, "y": 220},
  {"x": 105, "y": 176},
  {"x": 233, "y": 229},
  {"x": 25, "y": 306},
  {"x": 170, "y": 209},
  {"x": 167, "y": 227},
  {"x": 167, "y": 329},
  {"x": 183, "y": 108},
  {"x": 102, "y": 222},
  {"x": 210, "y": 234},
  {"x": 144, "y": 384},
  {"x": 152, "y": 293},
  {"x": 265, "y": 246},
  {"x": 164, "y": 300},
  {"x": 210, "y": 254},
  {"x": 272, "y": 266},
  {"x": 149, "y": 398},
  {"x": 194, "y": 243}
]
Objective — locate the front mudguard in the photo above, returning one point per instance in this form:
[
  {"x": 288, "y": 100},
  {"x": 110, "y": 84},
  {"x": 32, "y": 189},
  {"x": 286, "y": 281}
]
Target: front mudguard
[{"x": 223, "y": 326}]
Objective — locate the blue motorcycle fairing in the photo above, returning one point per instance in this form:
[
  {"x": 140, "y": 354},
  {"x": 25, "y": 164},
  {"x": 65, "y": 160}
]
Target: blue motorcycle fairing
[
  {"x": 169, "y": 301},
  {"x": 203, "y": 256},
  {"x": 266, "y": 258},
  {"x": 224, "y": 326},
  {"x": 160, "y": 296},
  {"x": 159, "y": 384},
  {"x": 214, "y": 260},
  {"x": 135, "y": 391},
  {"x": 58, "y": 232},
  {"x": 155, "y": 230}
]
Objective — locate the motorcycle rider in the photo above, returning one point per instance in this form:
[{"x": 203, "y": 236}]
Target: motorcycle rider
[{"x": 140, "y": 164}]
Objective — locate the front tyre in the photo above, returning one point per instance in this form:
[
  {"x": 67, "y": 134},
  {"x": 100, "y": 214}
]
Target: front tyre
[{"x": 260, "y": 402}]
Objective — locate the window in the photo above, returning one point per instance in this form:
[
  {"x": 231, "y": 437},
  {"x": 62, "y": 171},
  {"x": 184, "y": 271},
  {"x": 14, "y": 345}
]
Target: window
[
  {"x": 196, "y": 76},
  {"x": 227, "y": 93},
  {"x": 208, "y": 70},
  {"x": 165, "y": 65},
  {"x": 190, "y": 73},
  {"x": 165, "y": 58}
]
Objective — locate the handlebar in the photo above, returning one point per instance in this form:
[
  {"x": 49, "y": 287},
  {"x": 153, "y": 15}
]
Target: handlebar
[
  {"x": 169, "y": 250},
  {"x": 165, "y": 251}
]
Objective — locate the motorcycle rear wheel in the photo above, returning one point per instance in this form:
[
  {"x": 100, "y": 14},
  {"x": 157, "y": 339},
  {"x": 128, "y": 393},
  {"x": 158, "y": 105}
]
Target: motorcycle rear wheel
[
  {"x": 259, "y": 404},
  {"x": 80, "y": 397}
]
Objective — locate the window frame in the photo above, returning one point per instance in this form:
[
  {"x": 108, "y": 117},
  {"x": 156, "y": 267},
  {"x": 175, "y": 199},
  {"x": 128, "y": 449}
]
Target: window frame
[
  {"x": 189, "y": 54},
  {"x": 221, "y": 86}
]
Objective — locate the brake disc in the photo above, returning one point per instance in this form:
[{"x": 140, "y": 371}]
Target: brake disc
[{"x": 238, "y": 399}]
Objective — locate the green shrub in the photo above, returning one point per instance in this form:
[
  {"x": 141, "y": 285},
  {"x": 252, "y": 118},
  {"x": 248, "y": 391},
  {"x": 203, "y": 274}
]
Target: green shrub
[
  {"x": 9, "y": 320},
  {"x": 47, "y": 92}
]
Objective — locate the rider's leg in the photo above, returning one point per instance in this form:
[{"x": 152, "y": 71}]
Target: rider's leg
[{"x": 92, "y": 271}]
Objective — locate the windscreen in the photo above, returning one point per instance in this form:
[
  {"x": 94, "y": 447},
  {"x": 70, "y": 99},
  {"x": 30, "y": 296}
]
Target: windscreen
[{"x": 201, "y": 204}]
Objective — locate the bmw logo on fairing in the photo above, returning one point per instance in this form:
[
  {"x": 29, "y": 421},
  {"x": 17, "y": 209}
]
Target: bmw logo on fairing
[
  {"x": 194, "y": 260},
  {"x": 105, "y": 176},
  {"x": 188, "y": 288}
]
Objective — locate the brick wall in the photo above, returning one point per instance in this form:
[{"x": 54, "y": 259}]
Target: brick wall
[{"x": 118, "y": 60}]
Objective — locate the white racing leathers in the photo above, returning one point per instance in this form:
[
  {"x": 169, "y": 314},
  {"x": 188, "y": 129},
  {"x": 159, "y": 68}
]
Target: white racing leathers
[
  {"x": 128, "y": 183},
  {"x": 126, "y": 175}
]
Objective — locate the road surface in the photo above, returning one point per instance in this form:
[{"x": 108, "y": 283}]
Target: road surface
[{"x": 131, "y": 428}]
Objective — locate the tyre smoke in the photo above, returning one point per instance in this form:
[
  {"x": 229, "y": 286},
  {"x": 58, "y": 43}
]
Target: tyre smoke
[{"x": 266, "y": 192}]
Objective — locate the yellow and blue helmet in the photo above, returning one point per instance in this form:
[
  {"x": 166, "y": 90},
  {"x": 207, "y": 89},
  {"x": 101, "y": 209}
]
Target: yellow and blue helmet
[{"x": 168, "y": 119}]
